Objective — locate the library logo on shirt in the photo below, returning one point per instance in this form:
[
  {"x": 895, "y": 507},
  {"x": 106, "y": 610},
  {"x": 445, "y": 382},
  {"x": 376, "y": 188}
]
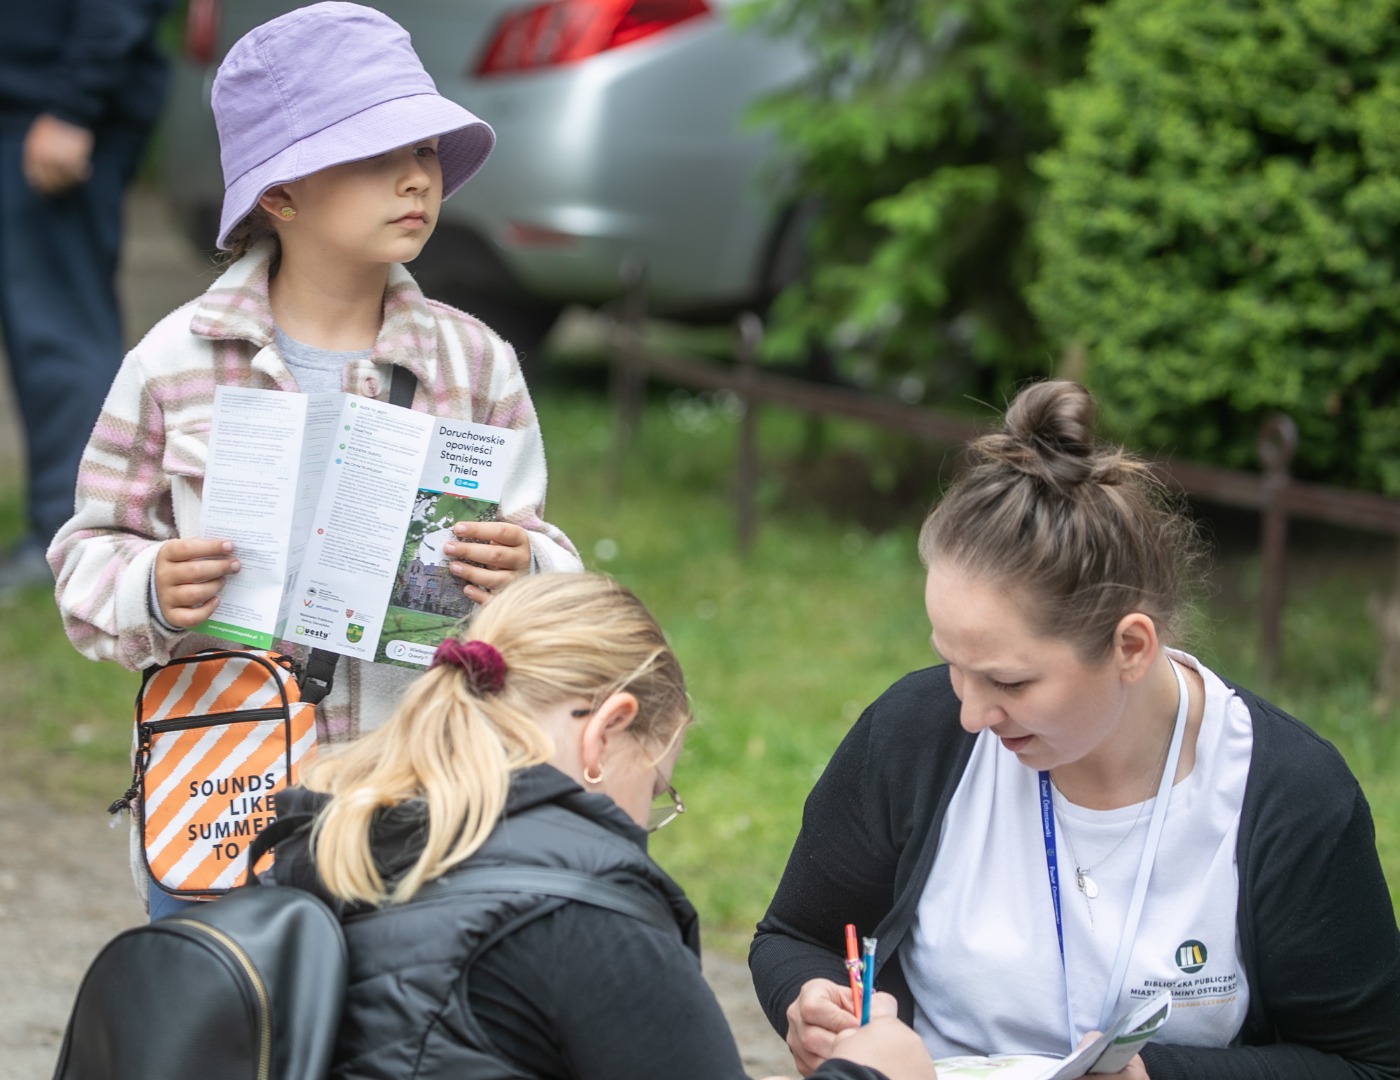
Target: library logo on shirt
[{"x": 1191, "y": 956}]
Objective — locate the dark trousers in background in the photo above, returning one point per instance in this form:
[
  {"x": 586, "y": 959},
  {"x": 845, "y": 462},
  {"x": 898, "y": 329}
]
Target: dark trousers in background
[{"x": 59, "y": 313}]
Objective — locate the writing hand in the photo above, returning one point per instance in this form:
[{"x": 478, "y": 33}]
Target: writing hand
[
  {"x": 189, "y": 575},
  {"x": 486, "y": 556},
  {"x": 886, "y": 1044},
  {"x": 821, "y": 1010},
  {"x": 57, "y": 155}
]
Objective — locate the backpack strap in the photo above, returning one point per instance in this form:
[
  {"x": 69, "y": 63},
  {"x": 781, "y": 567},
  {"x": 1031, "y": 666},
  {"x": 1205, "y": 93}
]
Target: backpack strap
[
  {"x": 546, "y": 880},
  {"x": 316, "y": 683},
  {"x": 283, "y": 826},
  {"x": 554, "y": 881}
]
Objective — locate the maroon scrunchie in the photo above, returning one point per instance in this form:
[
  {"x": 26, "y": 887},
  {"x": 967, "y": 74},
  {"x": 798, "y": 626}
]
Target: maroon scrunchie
[{"x": 484, "y": 667}]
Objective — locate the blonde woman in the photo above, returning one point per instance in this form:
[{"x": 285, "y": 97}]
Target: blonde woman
[{"x": 547, "y": 739}]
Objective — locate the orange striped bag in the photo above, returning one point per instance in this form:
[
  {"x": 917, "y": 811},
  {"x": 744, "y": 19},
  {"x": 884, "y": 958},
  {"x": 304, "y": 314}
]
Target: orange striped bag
[{"x": 218, "y": 734}]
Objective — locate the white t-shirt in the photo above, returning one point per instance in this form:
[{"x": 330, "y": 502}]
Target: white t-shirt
[{"x": 982, "y": 958}]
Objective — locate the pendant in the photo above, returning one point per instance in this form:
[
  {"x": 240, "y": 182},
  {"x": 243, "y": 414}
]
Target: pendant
[{"x": 1086, "y": 884}]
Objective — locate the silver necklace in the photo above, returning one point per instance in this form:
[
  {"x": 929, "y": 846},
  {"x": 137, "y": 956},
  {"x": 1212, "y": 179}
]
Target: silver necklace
[{"x": 1083, "y": 878}]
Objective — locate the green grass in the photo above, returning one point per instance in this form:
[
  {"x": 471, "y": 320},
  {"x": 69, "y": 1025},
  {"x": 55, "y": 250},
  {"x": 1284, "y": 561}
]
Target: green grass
[
  {"x": 66, "y": 725},
  {"x": 414, "y": 625},
  {"x": 782, "y": 647}
]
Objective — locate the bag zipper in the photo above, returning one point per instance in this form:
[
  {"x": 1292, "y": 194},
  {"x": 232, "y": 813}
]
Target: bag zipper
[
  {"x": 259, "y": 989},
  {"x": 246, "y": 716},
  {"x": 147, "y": 728},
  {"x": 129, "y": 800}
]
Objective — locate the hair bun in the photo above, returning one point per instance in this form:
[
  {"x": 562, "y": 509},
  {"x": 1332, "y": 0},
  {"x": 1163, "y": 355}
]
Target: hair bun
[{"x": 1048, "y": 434}]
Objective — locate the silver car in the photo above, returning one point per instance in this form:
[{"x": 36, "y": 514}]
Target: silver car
[{"x": 622, "y": 133}]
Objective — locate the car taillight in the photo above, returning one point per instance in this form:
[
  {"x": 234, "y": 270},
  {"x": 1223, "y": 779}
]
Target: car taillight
[
  {"x": 201, "y": 30},
  {"x": 564, "y": 31}
]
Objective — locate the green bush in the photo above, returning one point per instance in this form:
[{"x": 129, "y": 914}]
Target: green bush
[
  {"x": 914, "y": 132},
  {"x": 1221, "y": 227}
]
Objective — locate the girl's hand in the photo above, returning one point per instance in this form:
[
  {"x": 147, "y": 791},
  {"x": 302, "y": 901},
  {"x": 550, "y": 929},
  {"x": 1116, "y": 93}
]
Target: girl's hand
[
  {"x": 821, "y": 1011},
  {"x": 486, "y": 556},
  {"x": 886, "y": 1044},
  {"x": 189, "y": 575}
]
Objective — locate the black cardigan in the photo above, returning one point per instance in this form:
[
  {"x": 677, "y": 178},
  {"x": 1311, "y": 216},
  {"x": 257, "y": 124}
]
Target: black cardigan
[{"x": 1317, "y": 929}]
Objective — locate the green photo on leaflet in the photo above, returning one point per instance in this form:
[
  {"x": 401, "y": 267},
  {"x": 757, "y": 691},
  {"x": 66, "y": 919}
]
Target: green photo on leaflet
[{"x": 427, "y": 602}]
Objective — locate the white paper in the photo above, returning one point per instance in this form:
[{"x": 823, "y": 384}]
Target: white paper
[
  {"x": 250, "y": 491},
  {"x": 340, "y": 505},
  {"x": 1109, "y": 1053}
]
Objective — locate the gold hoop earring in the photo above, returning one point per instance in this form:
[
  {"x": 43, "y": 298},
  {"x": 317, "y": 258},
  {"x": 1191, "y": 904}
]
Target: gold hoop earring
[
  {"x": 288, "y": 212},
  {"x": 594, "y": 779}
]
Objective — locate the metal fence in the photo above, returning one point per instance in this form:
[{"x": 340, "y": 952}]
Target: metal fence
[{"x": 1272, "y": 492}]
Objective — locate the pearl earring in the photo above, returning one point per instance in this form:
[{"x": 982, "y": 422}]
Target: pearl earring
[{"x": 288, "y": 212}]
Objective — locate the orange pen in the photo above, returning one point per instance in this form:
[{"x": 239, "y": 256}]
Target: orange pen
[{"x": 853, "y": 967}]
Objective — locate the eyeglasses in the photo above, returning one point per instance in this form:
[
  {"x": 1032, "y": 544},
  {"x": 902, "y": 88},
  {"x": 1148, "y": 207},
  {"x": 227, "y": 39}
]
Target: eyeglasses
[{"x": 665, "y": 808}]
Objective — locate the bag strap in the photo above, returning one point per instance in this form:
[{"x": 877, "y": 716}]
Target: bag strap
[
  {"x": 546, "y": 880},
  {"x": 282, "y": 827},
  {"x": 319, "y": 676},
  {"x": 316, "y": 683},
  {"x": 402, "y": 384},
  {"x": 554, "y": 881}
]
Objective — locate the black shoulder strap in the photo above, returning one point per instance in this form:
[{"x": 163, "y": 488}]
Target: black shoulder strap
[
  {"x": 319, "y": 676},
  {"x": 546, "y": 880},
  {"x": 402, "y": 384},
  {"x": 554, "y": 881},
  {"x": 316, "y": 683},
  {"x": 282, "y": 827}
]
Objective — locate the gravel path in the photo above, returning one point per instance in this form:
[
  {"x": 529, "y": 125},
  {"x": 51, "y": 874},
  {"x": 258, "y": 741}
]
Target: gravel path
[{"x": 65, "y": 889}]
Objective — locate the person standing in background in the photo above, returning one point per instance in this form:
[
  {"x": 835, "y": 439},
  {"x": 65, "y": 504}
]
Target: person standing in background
[{"x": 81, "y": 88}]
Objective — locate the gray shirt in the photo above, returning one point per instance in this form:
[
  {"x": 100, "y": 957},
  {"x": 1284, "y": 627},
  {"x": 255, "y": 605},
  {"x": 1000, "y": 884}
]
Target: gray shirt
[{"x": 317, "y": 371}]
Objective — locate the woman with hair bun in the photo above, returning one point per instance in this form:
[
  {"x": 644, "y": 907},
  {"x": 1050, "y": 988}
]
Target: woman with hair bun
[
  {"x": 1069, "y": 814},
  {"x": 545, "y": 740}
]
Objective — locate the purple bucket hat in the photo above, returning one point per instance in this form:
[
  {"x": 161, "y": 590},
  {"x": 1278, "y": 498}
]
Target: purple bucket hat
[{"x": 327, "y": 84}]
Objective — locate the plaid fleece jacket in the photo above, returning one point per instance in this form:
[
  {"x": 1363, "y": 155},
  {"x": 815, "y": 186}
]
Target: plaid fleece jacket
[{"x": 142, "y": 473}]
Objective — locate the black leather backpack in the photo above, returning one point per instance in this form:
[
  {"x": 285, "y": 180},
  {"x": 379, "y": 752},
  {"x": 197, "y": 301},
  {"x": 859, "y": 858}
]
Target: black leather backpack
[
  {"x": 245, "y": 987},
  {"x": 250, "y": 986}
]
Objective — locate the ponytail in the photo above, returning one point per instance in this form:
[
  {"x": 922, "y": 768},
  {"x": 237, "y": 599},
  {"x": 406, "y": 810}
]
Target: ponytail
[{"x": 469, "y": 723}]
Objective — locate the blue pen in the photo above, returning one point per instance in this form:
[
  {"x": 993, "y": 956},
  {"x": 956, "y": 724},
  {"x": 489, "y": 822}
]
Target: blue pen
[{"x": 867, "y": 978}]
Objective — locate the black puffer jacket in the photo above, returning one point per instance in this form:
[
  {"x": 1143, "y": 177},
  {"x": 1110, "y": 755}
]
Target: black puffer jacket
[{"x": 529, "y": 986}]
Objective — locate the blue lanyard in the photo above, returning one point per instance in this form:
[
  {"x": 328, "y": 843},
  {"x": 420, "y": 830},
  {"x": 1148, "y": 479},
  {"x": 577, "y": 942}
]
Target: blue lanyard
[
  {"x": 1149, "y": 854},
  {"x": 1052, "y": 866},
  {"x": 1047, "y": 826}
]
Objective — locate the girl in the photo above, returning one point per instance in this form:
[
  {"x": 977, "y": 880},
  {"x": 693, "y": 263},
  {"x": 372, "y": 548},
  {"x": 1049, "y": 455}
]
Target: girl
[
  {"x": 1068, "y": 815},
  {"x": 337, "y": 152},
  {"x": 547, "y": 739}
]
